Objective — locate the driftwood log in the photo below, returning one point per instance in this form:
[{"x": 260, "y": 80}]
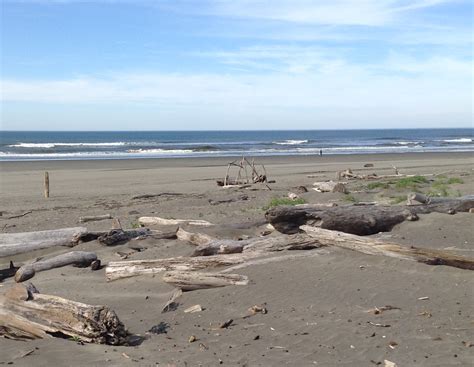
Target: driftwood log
[
  {"x": 360, "y": 220},
  {"x": 8, "y": 272},
  {"x": 76, "y": 258},
  {"x": 207, "y": 245},
  {"x": 372, "y": 246},
  {"x": 27, "y": 315},
  {"x": 189, "y": 281},
  {"x": 330, "y": 186},
  {"x": 194, "y": 238},
  {"x": 125, "y": 269},
  {"x": 93, "y": 218},
  {"x": 18, "y": 243},
  {"x": 146, "y": 221}
]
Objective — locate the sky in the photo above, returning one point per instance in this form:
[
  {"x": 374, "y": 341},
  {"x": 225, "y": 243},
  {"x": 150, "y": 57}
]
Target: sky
[{"x": 236, "y": 64}]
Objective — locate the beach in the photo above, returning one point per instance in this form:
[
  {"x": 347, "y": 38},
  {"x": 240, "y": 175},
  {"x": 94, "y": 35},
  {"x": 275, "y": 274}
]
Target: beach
[{"x": 318, "y": 304}]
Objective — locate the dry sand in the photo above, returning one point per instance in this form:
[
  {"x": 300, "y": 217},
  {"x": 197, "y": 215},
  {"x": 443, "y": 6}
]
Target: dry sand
[{"x": 317, "y": 304}]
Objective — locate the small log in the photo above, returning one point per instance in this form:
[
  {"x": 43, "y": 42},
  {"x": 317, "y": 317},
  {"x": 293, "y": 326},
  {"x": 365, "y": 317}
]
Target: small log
[
  {"x": 219, "y": 247},
  {"x": 26, "y": 315},
  {"x": 172, "y": 222},
  {"x": 330, "y": 186},
  {"x": 360, "y": 220},
  {"x": 76, "y": 258},
  {"x": 20, "y": 215},
  {"x": 124, "y": 269},
  {"x": 8, "y": 272},
  {"x": 18, "y": 243},
  {"x": 94, "y": 218},
  {"x": 194, "y": 238},
  {"x": 118, "y": 236},
  {"x": 189, "y": 281},
  {"x": 372, "y": 246}
]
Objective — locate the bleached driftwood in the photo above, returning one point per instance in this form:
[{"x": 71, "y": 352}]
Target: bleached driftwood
[
  {"x": 252, "y": 248},
  {"x": 360, "y": 220},
  {"x": 130, "y": 268},
  {"x": 146, "y": 221},
  {"x": 330, "y": 186},
  {"x": 189, "y": 281},
  {"x": 372, "y": 246},
  {"x": 194, "y": 238},
  {"x": 18, "y": 243},
  {"x": 27, "y": 315},
  {"x": 93, "y": 218},
  {"x": 76, "y": 258}
]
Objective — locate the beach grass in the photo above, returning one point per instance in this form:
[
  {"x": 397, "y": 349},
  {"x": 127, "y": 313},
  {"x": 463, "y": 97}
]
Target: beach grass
[{"x": 283, "y": 201}]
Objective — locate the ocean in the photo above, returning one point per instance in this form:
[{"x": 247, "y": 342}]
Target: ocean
[{"x": 16, "y": 145}]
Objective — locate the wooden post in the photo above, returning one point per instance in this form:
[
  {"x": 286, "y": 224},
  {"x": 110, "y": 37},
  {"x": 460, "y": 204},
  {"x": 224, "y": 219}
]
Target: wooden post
[{"x": 46, "y": 185}]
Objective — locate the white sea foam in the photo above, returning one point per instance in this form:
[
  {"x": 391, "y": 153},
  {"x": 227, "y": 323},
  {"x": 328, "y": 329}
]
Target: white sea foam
[
  {"x": 459, "y": 140},
  {"x": 53, "y": 145},
  {"x": 290, "y": 142},
  {"x": 160, "y": 151}
]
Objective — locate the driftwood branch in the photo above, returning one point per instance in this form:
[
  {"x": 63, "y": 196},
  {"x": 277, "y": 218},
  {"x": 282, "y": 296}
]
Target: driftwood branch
[
  {"x": 17, "y": 243},
  {"x": 76, "y": 258},
  {"x": 26, "y": 315},
  {"x": 372, "y": 246},
  {"x": 189, "y": 281},
  {"x": 360, "y": 220}
]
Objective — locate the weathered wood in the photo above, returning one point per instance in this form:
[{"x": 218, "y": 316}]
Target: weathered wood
[
  {"x": 330, "y": 186},
  {"x": 172, "y": 222},
  {"x": 372, "y": 246},
  {"x": 360, "y": 220},
  {"x": 118, "y": 236},
  {"x": 26, "y": 315},
  {"x": 76, "y": 258},
  {"x": 20, "y": 215},
  {"x": 8, "y": 272},
  {"x": 219, "y": 247},
  {"x": 46, "y": 185},
  {"x": 189, "y": 281},
  {"x": 130, "y": 268},
  {"x": 93, "y": 218},
  {"x": 194, "y": 238},
  {"x": 17, "y": 243}
]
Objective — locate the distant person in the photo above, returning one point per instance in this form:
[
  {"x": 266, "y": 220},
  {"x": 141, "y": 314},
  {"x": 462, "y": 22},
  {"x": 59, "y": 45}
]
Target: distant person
[{"x": 320, "y": 152}]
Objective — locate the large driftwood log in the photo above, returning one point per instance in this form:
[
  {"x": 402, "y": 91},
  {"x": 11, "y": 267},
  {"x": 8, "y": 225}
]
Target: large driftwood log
[
  {"x": 372, "y": 246},
  {"x": 257, "y": 245},
  {"x": 130, "y": 268},
  {"x": 76, "y": 258},
  {"x": 26, "y": 315},
  {"x": 189, "y": 281},
  {"x": 146, "y": 221},
  {"x": 253, "y": 248},
  {"x": 18, "y": 243},
  {"x": 360, "y": 220}
]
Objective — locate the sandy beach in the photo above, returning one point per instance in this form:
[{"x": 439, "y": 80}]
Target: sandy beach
[{"x": 318, "y": 303}]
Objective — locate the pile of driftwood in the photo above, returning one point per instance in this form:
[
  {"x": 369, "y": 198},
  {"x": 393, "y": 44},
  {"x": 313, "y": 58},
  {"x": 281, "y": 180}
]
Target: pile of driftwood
[
  {"x": 247, "y": 173},
  {"x": 27, "y": 314}
]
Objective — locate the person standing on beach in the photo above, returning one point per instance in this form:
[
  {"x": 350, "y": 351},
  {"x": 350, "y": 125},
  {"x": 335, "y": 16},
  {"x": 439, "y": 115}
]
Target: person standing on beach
[{"x": 320, "y": 152}]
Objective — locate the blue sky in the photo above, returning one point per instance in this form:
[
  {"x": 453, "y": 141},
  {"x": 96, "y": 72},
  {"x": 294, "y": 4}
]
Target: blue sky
[{"x": 226, "y": 65}]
